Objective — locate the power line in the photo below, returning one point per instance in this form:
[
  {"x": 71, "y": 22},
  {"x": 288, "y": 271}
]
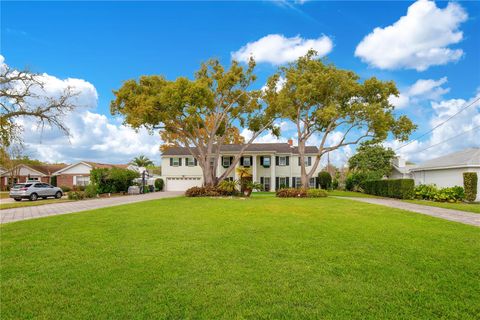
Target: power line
[
  {"x": 440, "y": 124},
  {"x": 458, "y": 135}
]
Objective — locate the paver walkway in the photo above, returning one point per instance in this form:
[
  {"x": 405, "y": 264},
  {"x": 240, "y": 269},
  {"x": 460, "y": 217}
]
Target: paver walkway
[
  {"x": 24, "y": 213},
  {"x": 447, "y": 214}
]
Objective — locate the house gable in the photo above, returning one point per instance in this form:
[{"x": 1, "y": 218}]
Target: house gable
[{"x": 77, "y": 168}]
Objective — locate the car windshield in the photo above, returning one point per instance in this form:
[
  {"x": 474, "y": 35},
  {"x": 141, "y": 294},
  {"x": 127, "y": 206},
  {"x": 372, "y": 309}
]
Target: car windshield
[{"x": 22, "y": 185}]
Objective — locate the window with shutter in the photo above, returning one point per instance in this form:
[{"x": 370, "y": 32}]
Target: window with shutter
[
  {"x": 276, "y": 160},
  {"x": 287, "y": 160},
  {"x": 309, "y": 161}
]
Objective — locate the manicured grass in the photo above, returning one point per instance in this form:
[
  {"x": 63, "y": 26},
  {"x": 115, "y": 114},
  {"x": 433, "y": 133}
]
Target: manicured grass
[
  {"x": 340, "y": 193},
  {"x": 470, "y": 207},
  {"x": 26, "y": 203},
  {"x": 258, "y": 258}
]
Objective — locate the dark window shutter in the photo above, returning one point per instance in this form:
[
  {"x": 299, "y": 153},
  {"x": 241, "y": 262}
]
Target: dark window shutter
[
  {"x": 316, "y": 182},
  {"x": 293, "y": 182},
  {"x": 222, "y": 162},
  {"x": 287, "y": 160},
  {"x": 276, "y": 161},
  {"x": 261, "y": 160},
  {"x": 261, "y": 181},
  {"x": 309, "y": 161},
  {"x": 195, "y": 162},
  {"x": 241, "y": 161},
  {"x": 277, "y": 181},
  {"x": 180, "y": 161},
  {"x": 251, "y": 160},
  {"x": 171, "y": 162},
  {"x": 299, "y": 158},
  {"x": 287, "y": 182}
]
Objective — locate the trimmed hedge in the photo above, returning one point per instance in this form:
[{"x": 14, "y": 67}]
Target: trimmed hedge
[
  {"x": 300, "y": 193},
  {"x": 470, "y": 182},
  {"x": 209, "y": 191},
  {"x": 394, "y": 188},
  {"x": 159, "y": 184}
]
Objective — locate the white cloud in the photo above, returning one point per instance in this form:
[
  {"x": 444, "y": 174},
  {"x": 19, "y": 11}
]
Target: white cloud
[
  {"x": 421, "y": 90},
  {"x": 278, "y": 49},
  {"x": 416, "y": 41},
  {"x": 464, "y": 121},
  {"x": 94, "y": 136}
]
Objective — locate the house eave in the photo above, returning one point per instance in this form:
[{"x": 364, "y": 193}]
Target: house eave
[{"x": 446, "y": 167}]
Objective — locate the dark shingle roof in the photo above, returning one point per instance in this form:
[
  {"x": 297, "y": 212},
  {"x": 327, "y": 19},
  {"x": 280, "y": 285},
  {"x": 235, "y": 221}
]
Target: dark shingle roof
[{"x": 254, "y": 147}]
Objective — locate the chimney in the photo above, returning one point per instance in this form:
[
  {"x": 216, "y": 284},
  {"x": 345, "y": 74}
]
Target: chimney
[{"x": 290, "y": 142}]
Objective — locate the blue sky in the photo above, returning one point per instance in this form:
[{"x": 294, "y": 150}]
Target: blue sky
[{"x": 105, "y": 43}]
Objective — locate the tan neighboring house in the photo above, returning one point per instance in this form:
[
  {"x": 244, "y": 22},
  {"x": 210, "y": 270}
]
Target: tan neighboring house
[
  {"x": 78, "y": 174},
  {"x": 23, "y": 173},
  {"x": 271, "y": 164}
]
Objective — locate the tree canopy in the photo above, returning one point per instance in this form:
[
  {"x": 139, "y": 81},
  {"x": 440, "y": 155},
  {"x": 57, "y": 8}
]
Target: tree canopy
[
  {"x": 142, "y": 161},
  {"x": 22, "y": 96},
  {"x": 373, "y": 159},
  {"x": 334, "y": 107},
  {"x": 201, "y": 114}
]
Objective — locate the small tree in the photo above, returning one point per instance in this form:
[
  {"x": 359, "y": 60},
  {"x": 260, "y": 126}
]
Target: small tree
[
  {"x": 372, "y": 158},
  {"x": 142, "y": 161},
  {"x": 159, "y": 184},
  {"x": 470, "y": 183},
  {"x": 324, "y": 180}
]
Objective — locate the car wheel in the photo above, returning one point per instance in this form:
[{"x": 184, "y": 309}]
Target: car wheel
[
  {"x": 58, "y": 195},
  {"x": 33, "y": 197},
  {"x": 44, "y": 198},
  {"x": 18, "y": 199}
]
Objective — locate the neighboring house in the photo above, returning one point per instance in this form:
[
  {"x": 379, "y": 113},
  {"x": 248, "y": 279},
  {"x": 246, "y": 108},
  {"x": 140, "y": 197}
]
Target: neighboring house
[
  {"x": 271, "y": 164},
  {"x": 23, "y": 173},
  {"x": 447, "y": 171},
  {"x": 78, "y": 174},
  {"x": 400, "y": 169}
]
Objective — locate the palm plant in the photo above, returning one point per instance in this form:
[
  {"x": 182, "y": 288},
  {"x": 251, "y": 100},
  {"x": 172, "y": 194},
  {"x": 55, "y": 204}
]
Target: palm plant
[
  {"x": 142, "y": 161},
  {"x": 250, "y": 186},
  {"x": 229, "y": 186}
]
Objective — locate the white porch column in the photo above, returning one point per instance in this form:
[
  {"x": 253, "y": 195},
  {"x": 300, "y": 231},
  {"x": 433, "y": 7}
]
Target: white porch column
[
  {"x": 235, "y": 174},
  {"x": 254, "y": 170},
  {"x": 272, "y": 173}
]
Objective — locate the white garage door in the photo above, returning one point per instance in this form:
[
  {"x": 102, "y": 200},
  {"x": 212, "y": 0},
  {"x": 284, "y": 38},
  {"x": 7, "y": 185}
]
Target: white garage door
[{"x": 182, "y": 184}]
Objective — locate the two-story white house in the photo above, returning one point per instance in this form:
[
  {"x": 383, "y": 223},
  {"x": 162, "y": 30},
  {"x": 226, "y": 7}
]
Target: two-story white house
[{"x": 271, "y": 164}]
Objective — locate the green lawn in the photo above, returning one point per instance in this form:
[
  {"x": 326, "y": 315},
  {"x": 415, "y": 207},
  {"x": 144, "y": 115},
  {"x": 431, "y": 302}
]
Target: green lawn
[
  {"x": 258, "y": 258},
  {"x": 27, "y": 203},
  {"x": 470, "y": 207},
  {"x": 340, "y": 193}
]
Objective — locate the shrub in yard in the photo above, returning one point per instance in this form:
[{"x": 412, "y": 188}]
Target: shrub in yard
[
  {"x": 91, "y": 190},
  {"x": 203, "y": 192},
  {"x": 112, "y": 180},
  {"x": 78, "y": 188},
  {"x": 228, "y": 187},
  {"x": 425, "y": 191},
  {"x": 335, "y": 184},
  {"x": 316, "y": 193},
  {"x": 470, "y": 182},
  {"x": 159, "y": 184},
  {"x": 324, "y": 180},
  {"x": 65, "y": 188},
  {"x": 76, "y": 195},
  {"x": 395, "y": 188},
  {"x": 451, "y": 194},
  {"x": 432, "y": 193},
  {"x": 291, "y": 193}
]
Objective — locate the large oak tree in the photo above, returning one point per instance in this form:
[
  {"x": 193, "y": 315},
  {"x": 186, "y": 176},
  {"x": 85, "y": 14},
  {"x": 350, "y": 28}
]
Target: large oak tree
[
  {"x": 321, "y": 100},
  {"x": 201, "y": 114}
]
